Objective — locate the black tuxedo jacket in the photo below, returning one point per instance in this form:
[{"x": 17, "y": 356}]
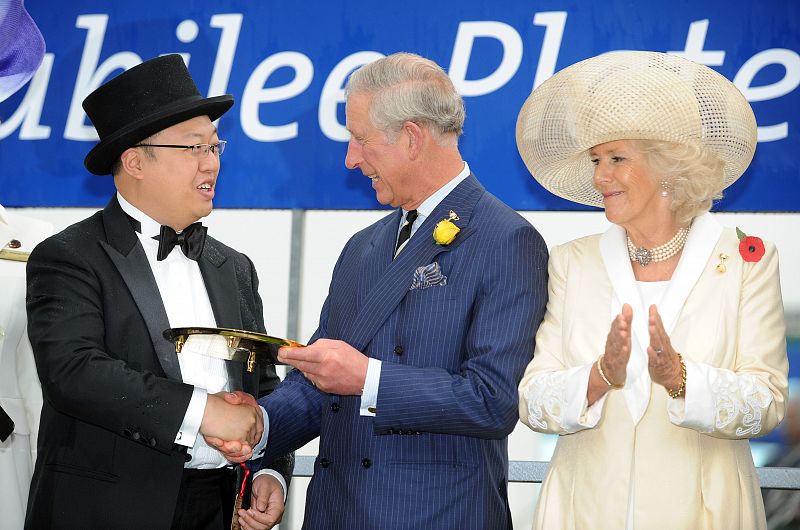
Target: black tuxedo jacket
[{"x": 113, "y": 395}]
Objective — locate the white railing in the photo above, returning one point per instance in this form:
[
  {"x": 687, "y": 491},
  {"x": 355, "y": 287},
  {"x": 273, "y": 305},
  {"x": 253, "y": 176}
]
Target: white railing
[{"x": 783, "y": 478}]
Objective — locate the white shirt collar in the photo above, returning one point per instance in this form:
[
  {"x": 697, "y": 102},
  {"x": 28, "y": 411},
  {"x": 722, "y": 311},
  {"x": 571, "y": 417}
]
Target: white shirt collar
[
  {"x": 3, "y": 216},
  {"x": 430, "y": 204},
  {"x": 149, "y": 226}
]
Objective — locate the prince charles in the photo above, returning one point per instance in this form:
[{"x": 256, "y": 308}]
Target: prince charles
[{"x": 411, "y": 379}]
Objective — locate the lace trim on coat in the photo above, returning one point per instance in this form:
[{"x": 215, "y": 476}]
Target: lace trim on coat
[
  {"x": 740, "y": 398},
  {"x": 546, "y": 395}
]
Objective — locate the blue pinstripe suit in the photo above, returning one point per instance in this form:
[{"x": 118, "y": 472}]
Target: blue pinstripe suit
[{"x": 436, "y": 454}]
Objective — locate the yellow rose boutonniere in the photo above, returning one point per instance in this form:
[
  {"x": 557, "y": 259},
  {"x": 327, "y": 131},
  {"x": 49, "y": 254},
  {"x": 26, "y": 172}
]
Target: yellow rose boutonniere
[{"x": 446, "y": 231}]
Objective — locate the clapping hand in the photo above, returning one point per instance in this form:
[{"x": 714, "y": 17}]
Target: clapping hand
[
  {"x": 618, "y": 347},
  {"x": 663, "y": 362},
  {"x": 614, "y": 360}
]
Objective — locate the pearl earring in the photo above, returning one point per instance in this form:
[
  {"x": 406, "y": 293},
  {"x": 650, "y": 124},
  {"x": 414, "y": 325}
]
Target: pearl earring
[{"x": 665, "y": 188}]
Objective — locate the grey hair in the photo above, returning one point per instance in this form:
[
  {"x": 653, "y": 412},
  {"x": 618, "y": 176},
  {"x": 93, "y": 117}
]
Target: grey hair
[
  {"x": 406, "y": 87},
  {"x": 694, "y": 176},
  {"x": 148, "y": 151}
]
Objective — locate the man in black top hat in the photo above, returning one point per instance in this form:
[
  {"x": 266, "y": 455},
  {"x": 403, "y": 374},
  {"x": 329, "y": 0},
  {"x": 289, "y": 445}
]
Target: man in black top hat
[{"x": 122, "y": 432}]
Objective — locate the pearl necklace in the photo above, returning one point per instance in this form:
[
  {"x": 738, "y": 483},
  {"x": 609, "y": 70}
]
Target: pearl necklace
[{"x": 663, "y": 252}]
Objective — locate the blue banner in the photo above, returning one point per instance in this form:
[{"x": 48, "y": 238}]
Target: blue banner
[{"x": 286, "y": 63}]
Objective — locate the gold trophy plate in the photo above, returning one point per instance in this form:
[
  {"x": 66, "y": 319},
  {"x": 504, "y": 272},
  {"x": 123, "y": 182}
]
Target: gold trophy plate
[{"x": 246, "y": 346}]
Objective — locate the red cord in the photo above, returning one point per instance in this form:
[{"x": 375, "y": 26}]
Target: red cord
[{"x": 244, "y": 481}]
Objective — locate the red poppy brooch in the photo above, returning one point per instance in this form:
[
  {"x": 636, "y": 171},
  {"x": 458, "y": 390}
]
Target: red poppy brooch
[{"x": 750, "y": 247}]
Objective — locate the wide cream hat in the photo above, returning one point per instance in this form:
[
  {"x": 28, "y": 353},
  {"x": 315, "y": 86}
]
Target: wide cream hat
[{"x": 630, "y": 95}]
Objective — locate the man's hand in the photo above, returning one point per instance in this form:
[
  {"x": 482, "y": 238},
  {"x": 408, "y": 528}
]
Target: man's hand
[
  {"x": 236, "y": 451},
  {"x": 231, "y": 423},
  {"x": 237, "y": 397},
  {"x": 266, "y": 505},
  {"x": 331, "y": 365}
]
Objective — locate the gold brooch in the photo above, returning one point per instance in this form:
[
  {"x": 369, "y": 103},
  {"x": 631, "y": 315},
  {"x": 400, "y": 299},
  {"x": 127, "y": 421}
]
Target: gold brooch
[
  {"x": 446, "y": 231},
  {"x": 721, "y": 267}
]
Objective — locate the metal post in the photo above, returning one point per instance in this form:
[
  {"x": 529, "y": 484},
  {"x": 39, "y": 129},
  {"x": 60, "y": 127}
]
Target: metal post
[
  {"x": 295, "y": 274},
  {"x": 293, "y": 319}
]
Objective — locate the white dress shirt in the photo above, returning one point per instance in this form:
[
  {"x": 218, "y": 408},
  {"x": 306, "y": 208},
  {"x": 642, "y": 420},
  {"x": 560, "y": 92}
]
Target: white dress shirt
[{"x": 186, "y": 302}]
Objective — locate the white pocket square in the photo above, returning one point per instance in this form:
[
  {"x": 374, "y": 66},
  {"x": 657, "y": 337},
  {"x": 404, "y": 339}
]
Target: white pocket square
[{"x": 428, "y": 276}]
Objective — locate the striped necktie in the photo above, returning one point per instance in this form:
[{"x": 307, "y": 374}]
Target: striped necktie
[{"x": 405, "y": 231}]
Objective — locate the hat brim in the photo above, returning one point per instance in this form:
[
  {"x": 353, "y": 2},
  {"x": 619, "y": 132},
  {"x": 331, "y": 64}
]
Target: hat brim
[
  {"x": 630, "y": 95},
  {"x": 101, "y": 158}
]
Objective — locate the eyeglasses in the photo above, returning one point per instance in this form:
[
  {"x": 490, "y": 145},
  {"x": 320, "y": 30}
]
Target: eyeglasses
[{"x": 197, "y": 150}]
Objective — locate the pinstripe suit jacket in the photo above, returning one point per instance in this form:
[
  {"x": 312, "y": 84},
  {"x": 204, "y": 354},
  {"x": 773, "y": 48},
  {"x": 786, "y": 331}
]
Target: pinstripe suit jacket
[{"x": 435, "y": 455}]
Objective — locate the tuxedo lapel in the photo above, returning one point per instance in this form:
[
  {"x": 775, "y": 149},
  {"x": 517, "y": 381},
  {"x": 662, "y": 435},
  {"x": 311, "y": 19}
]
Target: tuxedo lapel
[
  {"x": 219, "y": 277},
  {"x": 127, "y": 254},
  {"x": 392, "y": 285}
]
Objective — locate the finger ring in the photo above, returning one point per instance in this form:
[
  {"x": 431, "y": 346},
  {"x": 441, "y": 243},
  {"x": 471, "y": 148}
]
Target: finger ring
[{"x": 659, "y": 351}]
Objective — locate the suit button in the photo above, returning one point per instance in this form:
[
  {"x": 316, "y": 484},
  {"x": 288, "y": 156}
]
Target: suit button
[
  {"x": 409, "y": 432},
  {"x": 136, "y": 436},
  {"x": 324, "y": 462},
  {"x": 398, "y": 350},
  {"x": 334, "y": 407},
  {"x": 187, "y": 457},
  {"x": 152, "y": 442},
  {"x": 366, "y": 463}
]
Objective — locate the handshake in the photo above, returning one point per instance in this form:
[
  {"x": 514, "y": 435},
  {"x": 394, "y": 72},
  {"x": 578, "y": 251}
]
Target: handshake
[{"x": 233, "y": 424}]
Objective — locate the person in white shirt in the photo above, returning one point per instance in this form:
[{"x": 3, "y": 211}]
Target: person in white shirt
[
  {"x": 663, "y": 348},
  {"x": 21, "y": 52},
  {"x": 20, "y": 393},
  {"x": 122, "y": 440}
]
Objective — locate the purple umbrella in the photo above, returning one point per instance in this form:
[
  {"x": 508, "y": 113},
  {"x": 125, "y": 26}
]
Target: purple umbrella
[{"x": 21, "y": 47}]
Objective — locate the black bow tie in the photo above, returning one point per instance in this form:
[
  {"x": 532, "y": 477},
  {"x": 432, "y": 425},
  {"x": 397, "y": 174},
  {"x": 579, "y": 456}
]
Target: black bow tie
[{"x": 191, "y": 240}]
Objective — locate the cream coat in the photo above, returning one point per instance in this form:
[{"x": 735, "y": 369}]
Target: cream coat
[
  {"x": 689, "y": 460},
  {"x": 20, "y": 392}
]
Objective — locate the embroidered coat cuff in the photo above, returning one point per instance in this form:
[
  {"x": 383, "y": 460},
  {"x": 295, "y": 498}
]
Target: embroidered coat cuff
[{"x": 557, "y": 401}]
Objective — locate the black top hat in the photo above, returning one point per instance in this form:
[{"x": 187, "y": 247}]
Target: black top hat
[{"x": 138, "y": 103}]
